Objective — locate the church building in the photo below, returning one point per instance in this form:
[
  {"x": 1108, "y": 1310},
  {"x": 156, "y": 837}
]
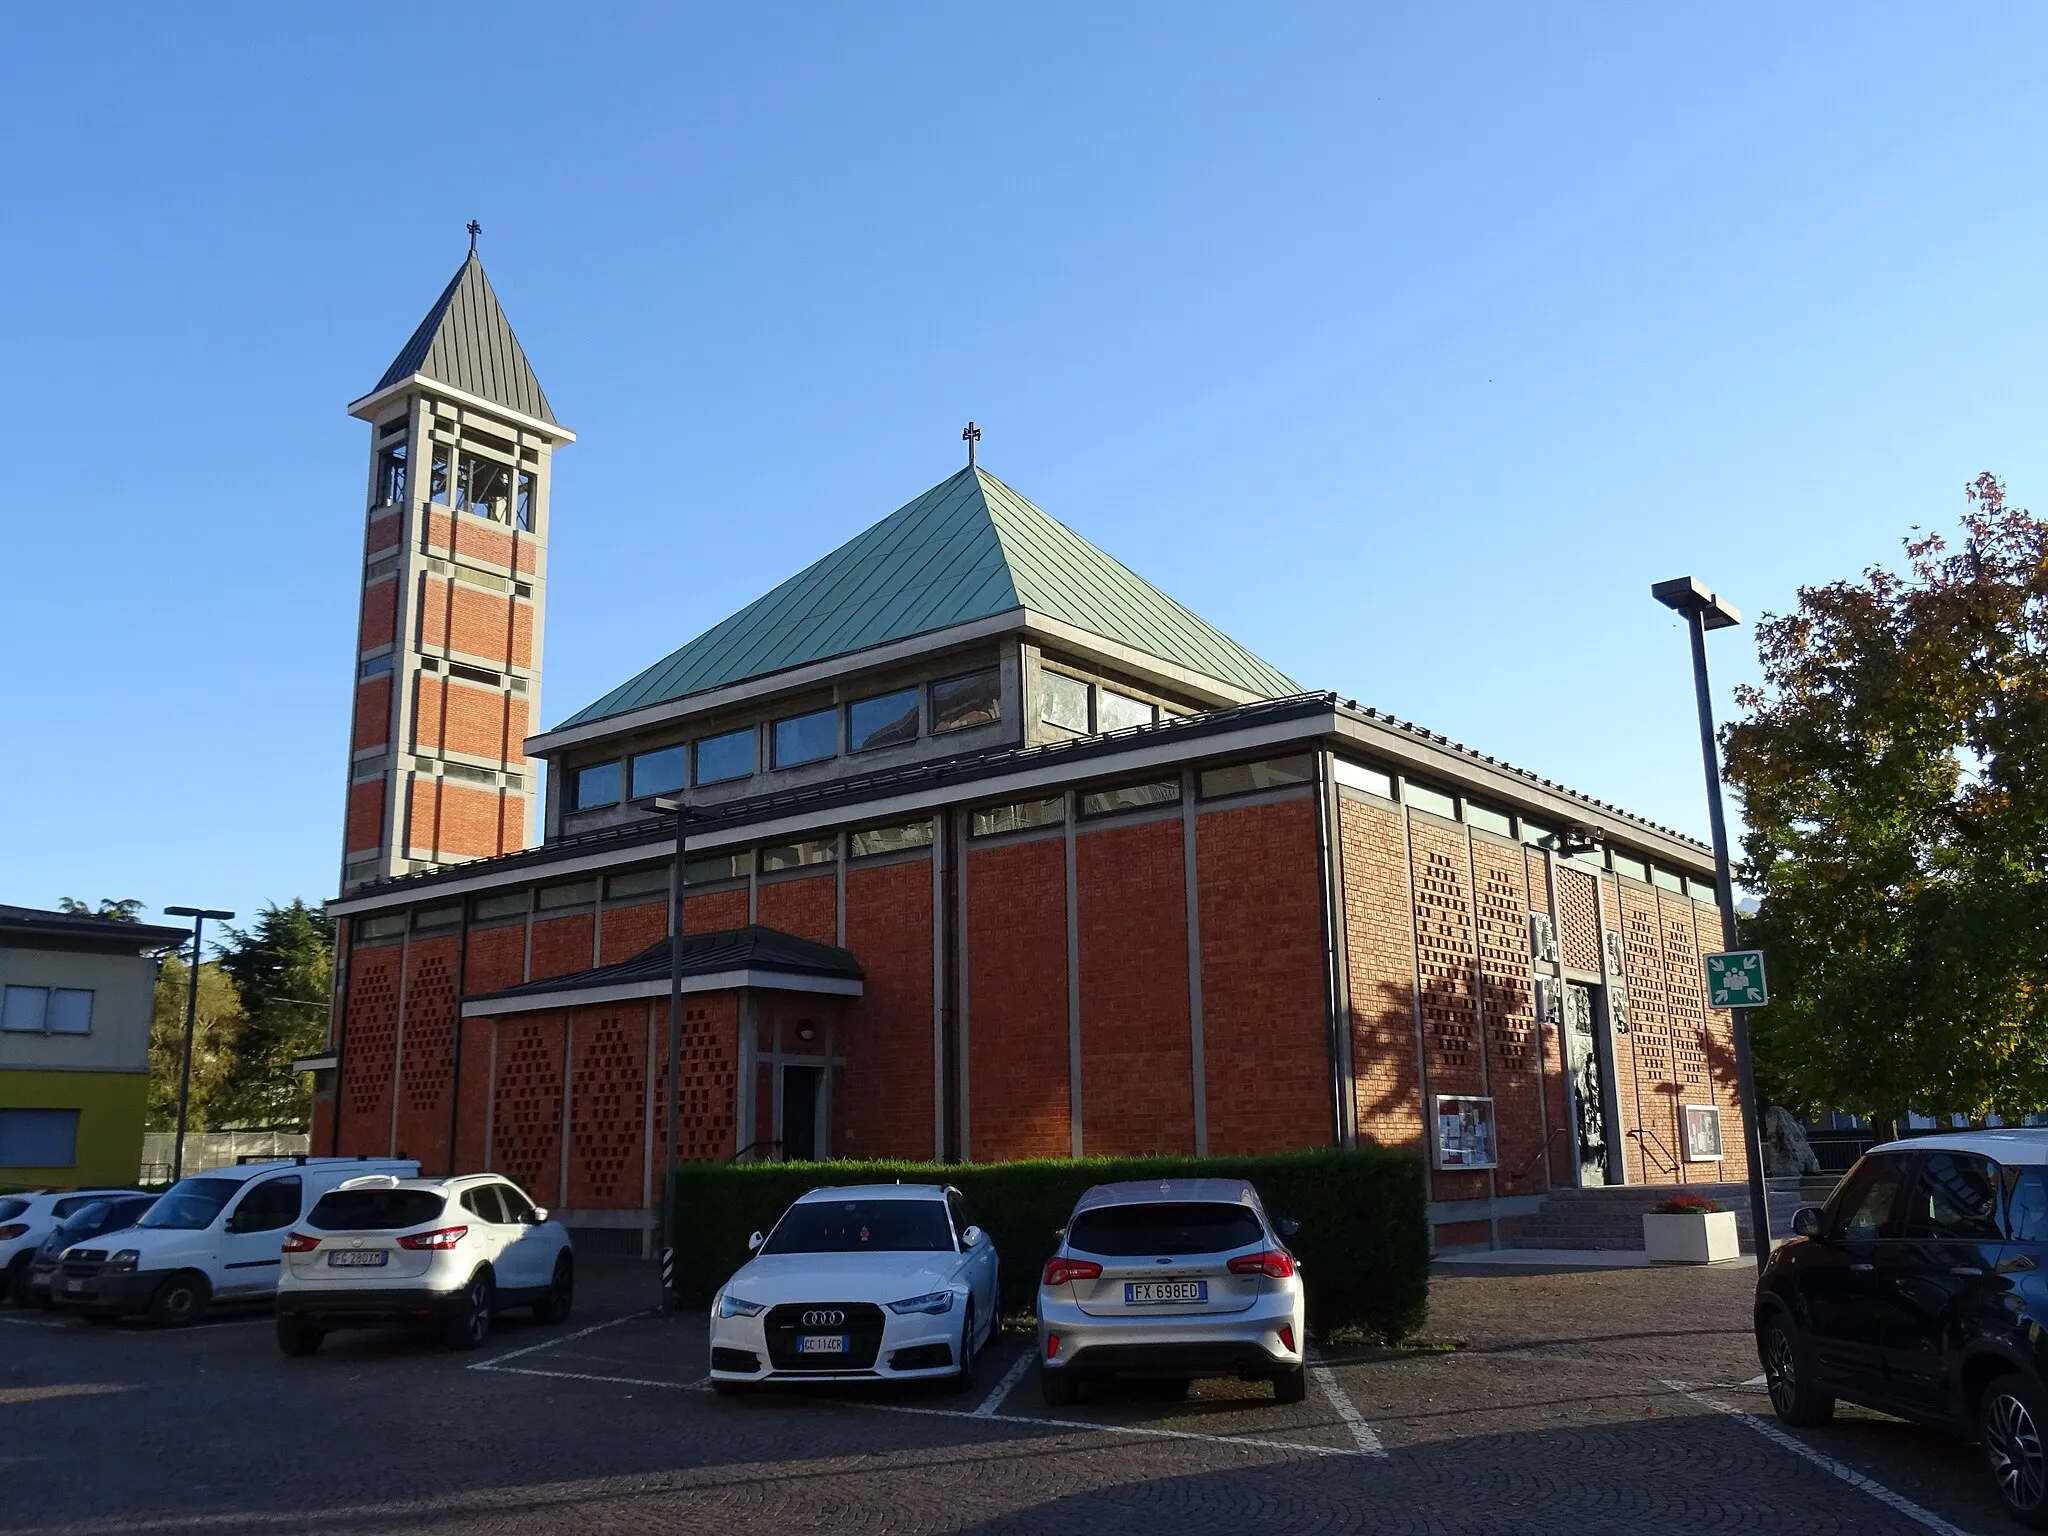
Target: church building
[{"x": 992, "y": 850}]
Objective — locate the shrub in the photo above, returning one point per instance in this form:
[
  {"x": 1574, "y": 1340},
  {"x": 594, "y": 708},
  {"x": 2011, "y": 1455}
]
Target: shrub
[
  {"x": 1363, "y": 1243},
  {"x": 1688, "y": 1205}
]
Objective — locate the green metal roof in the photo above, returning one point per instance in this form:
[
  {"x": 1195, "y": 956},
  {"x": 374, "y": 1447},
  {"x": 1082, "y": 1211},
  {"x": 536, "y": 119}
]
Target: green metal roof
[
  {"x": 969, "y": 548},
  {"x": 467, "y": 342}
]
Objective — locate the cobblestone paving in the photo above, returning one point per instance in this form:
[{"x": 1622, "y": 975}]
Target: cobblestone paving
[{"x": 1552, "y": 1416}]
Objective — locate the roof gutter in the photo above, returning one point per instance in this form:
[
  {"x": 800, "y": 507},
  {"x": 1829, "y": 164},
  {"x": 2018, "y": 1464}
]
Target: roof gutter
[{"x": 367, "y": 407}]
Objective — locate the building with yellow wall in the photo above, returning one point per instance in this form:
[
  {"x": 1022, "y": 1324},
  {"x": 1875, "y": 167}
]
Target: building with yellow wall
[{"x": 76, "y": 996}]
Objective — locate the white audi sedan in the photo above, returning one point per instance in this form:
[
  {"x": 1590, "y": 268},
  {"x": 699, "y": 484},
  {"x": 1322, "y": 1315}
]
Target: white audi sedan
[{"x": 875, "y": 1282}]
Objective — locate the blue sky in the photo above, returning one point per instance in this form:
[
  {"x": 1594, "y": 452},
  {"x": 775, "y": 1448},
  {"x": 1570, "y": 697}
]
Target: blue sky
[{"x": 1407, "y": 346}]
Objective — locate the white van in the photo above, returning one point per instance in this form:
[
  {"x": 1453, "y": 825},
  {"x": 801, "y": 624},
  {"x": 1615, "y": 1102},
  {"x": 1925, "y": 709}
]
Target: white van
[{"x": 217, "y": 1236}]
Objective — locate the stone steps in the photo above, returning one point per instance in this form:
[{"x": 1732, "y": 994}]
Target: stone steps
[{"x": 1611, "y": 1218}]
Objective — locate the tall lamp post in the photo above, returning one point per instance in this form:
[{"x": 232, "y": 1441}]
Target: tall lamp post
[
  {"x": 1702, "y": 611},
  {"x": 675, "y": 805},
  {"x": 199, "y": 915}
]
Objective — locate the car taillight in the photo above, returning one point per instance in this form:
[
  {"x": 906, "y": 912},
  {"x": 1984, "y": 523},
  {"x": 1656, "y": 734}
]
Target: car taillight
[
  {"x": 1052, "y": 1345},
  {"x": 298, "y": 1242},
  {"x": 12, "y": 1230},
  {"x": 440, "y": 1237},
  {"x": 1272, "y": 1262},
  {"x": 1060, "y": 1271}
]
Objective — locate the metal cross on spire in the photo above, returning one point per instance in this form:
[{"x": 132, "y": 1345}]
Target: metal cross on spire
[
  {"x": 475, "y": 229},
  {"x": 970, "y": 434}
]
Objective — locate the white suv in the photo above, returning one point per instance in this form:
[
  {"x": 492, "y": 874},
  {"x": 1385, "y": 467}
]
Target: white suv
[{"x": 448, "y": 1253}]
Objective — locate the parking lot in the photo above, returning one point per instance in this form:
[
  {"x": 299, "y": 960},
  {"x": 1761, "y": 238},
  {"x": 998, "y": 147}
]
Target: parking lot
[{"x": 1619, "y": 1400}]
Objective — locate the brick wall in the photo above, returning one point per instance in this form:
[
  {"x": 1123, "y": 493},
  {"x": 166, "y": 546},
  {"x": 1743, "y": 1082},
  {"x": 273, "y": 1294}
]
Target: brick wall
[
  {"x": 497, "y": 959},
  {"x": 1562, "y": 1150},
  {"x": 1507, "y": 1006},
  {"x": 475, "y": 622},
  {"x": 808, "y": 908},
  {"x": 716, "y": 912},
  {"x": 427, "y": 1065},
  {"x": 1454, "y": 1051},
  {"x": 446, "y": 816},
  {"x": 474, "y": 1093},
  {"x": 1018, "y": 1097},
  {"x": 455, "y": 716},
  {"x": 629, "y": 930},
  {"x": 365, "y": 816},
  {"x": 1137, "y": 1059},
  {"x": 886, "y": 1110},
  {"x": 607, "y": 1100},
  {"x": 1265, "y": 1049},
  {"x": 373, "y": 713},
  {"x": 369, "y": 1050},
  {"x": 380, "y": 614},
  {"x": 384, "y": 533},
  {"x": 526, "y": 1134},
  {"x": 562, "y": 945},
  {"x": 1379, "y": 918},
  {"x": 708, "y": 1096}
]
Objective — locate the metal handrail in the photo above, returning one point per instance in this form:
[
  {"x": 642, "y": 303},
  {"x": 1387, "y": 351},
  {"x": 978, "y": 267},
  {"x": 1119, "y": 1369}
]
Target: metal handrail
[
  {"x": 1542, "y": 1153},
  {"x": 747, "y": 1153},
  {"x": 1677, "y": 1168}
]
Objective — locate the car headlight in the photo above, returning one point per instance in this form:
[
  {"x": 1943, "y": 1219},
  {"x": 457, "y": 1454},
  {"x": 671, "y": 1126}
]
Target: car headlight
[
  {"x": 738, "y": 1306},
  {"x": 930, "y": 1301},
  {"x": 124, "y": 1261}
]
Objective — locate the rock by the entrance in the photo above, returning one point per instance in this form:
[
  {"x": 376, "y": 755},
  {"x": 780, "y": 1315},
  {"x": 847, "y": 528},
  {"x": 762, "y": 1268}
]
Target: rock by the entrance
[{"x": 1787, "y": 1152}]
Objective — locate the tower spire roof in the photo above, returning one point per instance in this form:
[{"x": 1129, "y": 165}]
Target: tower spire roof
[{"x": 467, "y": 343}]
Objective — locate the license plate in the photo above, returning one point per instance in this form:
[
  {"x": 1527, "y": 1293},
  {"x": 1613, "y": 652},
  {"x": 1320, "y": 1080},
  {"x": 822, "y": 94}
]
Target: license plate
[
  {"x": 822, "y": 1343},
  {"x": 74, "y": 1285},
  {"x": 1142, "y": 1293},
  {"x": 349, "y": 1258}
]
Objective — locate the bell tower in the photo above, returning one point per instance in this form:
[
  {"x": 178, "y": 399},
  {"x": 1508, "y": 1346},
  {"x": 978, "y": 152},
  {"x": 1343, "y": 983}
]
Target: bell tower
[{"x": 454, "y": 593}]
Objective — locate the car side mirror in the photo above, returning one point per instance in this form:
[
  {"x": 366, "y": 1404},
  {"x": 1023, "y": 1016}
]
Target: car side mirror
[
  {"x": 754, "y": 1243},
  {"x": 1287, "y": 1226},
  {"x": 540, "y": 1214},
  {"x": 970, "y": 1237},
  {"x": 1806, "y": 1221},
  {"x": 234, "y": 1223}
]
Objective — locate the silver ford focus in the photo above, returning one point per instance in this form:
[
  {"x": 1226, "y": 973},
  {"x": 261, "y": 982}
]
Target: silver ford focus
[{"x": 1171, "y": 1280}]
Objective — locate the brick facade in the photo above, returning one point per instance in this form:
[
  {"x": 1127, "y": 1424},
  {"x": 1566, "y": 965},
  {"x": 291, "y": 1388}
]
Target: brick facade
[{"x": 1432, "y": 966}]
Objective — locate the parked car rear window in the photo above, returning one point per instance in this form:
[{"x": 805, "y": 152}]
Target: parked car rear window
[
  {"x": 375, "y": 1210},
  {"x": 862, "y": 1226},
  {"x": 191, "y": 1204},
  {"x": 1120, "y": 1231},
  {"x": 1955, "y": 1200},
  {"x": 9, "y": 1209},
  {"x": 2026, "y": 1205}
]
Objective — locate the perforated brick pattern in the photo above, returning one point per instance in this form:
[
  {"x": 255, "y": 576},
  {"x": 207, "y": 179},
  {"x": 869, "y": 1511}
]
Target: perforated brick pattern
[
  {"x": 706, "y": 1102},
  {"x": 526, "y": 1137},
  {"x": 607, "y": 1099},
  {"x": 370, "y": 1050},
  {"x": 1578, "y": 919},
  {"x": 1443, "y": 935}
]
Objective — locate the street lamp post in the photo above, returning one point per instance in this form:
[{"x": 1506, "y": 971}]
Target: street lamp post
[
  {"x": 199, "y": 915},
  {"x": 1703, "y": 611},
  {"x": 675, "y": 1050}
]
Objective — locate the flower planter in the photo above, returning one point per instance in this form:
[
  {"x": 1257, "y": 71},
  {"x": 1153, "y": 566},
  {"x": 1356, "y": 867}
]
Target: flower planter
[{"x": 1697, "y": 1237}]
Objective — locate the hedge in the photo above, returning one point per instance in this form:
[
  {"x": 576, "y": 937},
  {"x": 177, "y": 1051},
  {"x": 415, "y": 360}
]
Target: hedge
[{"x": 1363, "y": 1244}]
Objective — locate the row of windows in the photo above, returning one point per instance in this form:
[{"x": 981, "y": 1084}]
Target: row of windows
[
  {"x": 885, "y": 720},
  {"x": 1454, "y": 807},
  {"x": 38, "y": 1138},
  {"x": 1090, "y": 709},
  {"x": 46, "y": 1010},
  {"x": 478, "y": 485}
]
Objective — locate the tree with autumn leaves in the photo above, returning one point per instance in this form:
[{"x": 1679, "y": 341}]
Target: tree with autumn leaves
[{"x": 1893, "y": 770}]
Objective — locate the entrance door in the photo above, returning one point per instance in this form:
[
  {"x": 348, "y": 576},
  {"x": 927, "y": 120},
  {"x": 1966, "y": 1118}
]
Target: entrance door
[
  {"x": 800, "y": 1114},
  {"x": 1588, "y": 1087}
]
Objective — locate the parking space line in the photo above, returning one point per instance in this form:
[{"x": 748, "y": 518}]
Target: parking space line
[
  {"x": 1367, "y": 1438},
  {"x": 1827, "y": 1464},
  {"x": 496, "y": 1362},
  {"x": 1145, "y": 1430},
  {"x": 622, "y": 1381},
  {"x": 1002, "y": 1389}
]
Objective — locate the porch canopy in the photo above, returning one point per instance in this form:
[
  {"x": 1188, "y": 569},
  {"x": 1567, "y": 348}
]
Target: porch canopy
[{"x": 763, "y": 958}]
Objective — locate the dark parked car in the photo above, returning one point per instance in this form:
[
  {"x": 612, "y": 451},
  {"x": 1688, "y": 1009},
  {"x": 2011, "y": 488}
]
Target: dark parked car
[
  {"x": 1921, "y": 1290},
  {"x": 96, "y": 1220}
]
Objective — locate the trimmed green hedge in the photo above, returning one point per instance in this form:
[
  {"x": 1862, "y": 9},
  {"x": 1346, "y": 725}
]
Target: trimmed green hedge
[{"x": 1363, "y": 1244}]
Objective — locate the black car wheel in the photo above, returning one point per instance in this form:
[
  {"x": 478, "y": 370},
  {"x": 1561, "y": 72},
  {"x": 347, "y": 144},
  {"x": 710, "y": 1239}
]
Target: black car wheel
[
  {"x": 962, "y": 1379},
  {"x": 1059, "y": 1388},
  {"x": 1291, "y": 1386},
  {"x": 471, "y": 1321},
  {"x": 1794, "y": 1398},
  {"x": 16, "y": 1283},
  {"x": 2012, "y": 1419},
  {"x": 179, "y": 1300},
  {"x": 554, "y": 1307}
]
